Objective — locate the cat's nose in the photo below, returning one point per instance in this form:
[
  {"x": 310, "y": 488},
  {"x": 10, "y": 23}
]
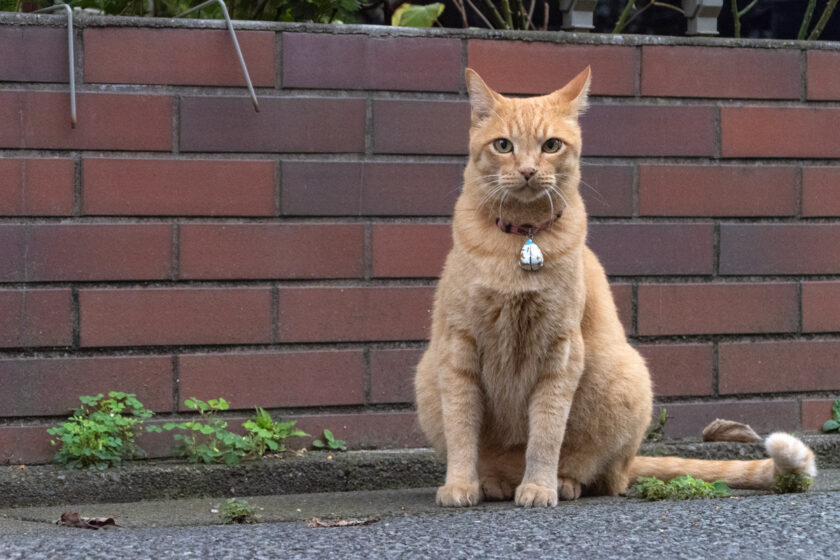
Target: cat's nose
[{"x": 528, "y": 172}]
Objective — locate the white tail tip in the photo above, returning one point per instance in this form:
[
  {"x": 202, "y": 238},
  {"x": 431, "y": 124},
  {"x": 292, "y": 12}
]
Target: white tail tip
[{"x": 790, "y": 454}]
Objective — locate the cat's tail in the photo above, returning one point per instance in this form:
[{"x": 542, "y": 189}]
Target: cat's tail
[{"x": 788, "y": 454}]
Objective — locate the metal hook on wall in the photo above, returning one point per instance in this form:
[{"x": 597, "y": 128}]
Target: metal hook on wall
[
  {"x": 70, "y": 56},
  {"x": 235, "y": 45}
]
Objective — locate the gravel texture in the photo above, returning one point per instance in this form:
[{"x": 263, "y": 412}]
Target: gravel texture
[{"x": 765, "y": 526}]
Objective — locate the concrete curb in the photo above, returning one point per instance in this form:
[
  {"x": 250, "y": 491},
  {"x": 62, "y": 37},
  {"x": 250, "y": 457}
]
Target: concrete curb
[{"x": 310, "y": 473}]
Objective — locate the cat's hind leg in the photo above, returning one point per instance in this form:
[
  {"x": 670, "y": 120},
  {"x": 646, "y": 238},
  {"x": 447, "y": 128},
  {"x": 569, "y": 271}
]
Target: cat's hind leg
[{"x": 500, "y": 472}]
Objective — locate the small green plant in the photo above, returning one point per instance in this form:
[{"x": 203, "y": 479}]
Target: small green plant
[
  {"x": 833, "y": 425},
  {"x": 656, "y": 432},
  {"x": 236, "y": 511},
  {"x": 208, "y": 439},
  {"x": 792, "y": 482},
  {"x": 101, "y": 432},
  {"x": 329, "y": 442},
  {"x": 264, "y": 434},
  {"x": 684, "y": 487}
]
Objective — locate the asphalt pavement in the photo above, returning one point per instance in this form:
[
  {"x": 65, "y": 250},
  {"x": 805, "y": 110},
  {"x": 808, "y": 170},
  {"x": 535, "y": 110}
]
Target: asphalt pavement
[{"x": 749, "y": 525}]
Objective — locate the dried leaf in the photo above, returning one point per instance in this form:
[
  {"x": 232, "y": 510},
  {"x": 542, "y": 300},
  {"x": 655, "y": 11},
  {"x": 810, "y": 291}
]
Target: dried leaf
[
  {"x": 19, "y": 467},
  {"x": 316, "y": 522},
  {"x": 729, "y": 430},
  {"x": 73, "y": 519}
]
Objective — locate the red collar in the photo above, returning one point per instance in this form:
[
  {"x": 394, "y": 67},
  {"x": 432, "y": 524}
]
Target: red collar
[{"x": 527, "y": 230}]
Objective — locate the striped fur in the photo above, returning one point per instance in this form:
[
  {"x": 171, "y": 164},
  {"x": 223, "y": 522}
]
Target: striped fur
[{"x": 528, "y": 386}]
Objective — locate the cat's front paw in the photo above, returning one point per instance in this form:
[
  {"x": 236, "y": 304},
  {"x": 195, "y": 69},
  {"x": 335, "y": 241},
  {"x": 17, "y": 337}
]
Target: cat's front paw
[
  {"x": 458, "y": 495},
  {"x": 534, "y": 495}
]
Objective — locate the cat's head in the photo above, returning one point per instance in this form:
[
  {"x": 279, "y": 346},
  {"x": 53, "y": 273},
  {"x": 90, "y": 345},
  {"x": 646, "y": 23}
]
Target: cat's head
[{"x": 525, "y": 148}]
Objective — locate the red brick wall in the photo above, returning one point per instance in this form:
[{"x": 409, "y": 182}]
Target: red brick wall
[{"x": 178, "y": 244}]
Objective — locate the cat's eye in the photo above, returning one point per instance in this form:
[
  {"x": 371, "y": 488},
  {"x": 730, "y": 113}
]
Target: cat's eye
[
  {"x": 503, "y": 145},
  {"x": 552, "y": 145}
]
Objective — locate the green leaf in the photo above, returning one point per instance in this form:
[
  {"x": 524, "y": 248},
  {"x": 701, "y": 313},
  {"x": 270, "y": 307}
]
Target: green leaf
[
  {"x": 318, "y": 443},
  {"x": 410, "y": 15},
  {"x": 721, "y": 488},
  {"x": 329, "y": 436},
  {"x": 169, "y": 426},
  {"x": 831, "y": 426},
  {"x": 835, "y": 409}
]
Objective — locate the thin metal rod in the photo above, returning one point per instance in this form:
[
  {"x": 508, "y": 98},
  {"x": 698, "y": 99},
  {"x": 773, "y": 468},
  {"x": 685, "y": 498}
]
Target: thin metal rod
[
  {"x": 70, "y": 56},
  {"x": 235, "y": 45}
]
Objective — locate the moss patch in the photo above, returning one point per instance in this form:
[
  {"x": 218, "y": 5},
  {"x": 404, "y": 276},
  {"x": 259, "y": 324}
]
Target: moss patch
[
  {"x": 684, "y": 487},
  {"x": 792, "y": 482}
]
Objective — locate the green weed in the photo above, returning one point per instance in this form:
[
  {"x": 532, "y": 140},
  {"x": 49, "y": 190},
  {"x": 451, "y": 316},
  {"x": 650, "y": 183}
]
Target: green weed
[
  {"x": 236, "y": 511},
  {"x": 101, "y": 432},
  {"x": 833, "y": 425},
  {"x": 329, "y": 442},
  {"x": 264, "y": 434},
  {"x": 207, "y": 440}
]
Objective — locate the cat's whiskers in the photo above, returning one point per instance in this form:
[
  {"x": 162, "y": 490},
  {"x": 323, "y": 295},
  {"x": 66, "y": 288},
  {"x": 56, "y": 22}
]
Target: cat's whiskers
[
  {"x": 585, "y": 184},
  {"x": 550, "y": 203},
  {"x": 501, "y": 201},
  {"x": 499, "y": 187}
]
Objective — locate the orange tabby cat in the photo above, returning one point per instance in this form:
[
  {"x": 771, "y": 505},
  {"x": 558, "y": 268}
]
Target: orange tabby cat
[{"x": 529, "y": 386}]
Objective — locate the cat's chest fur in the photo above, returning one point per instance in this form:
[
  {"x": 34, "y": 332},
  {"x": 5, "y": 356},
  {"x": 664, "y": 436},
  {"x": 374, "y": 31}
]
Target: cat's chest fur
[{"x": 513, "y": 332}]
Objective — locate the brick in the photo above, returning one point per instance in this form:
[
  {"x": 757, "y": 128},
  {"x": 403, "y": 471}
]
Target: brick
[
  {"x": 821, "y": 306},
  {"x": 25, "y": 445},
  {"x": 687, "y": 419},
  {"x": 668, "y": 309},
  {"x": 649, "y": 130},
  {"x": 51, "y": 386},
  {"x": 98, "y": 252},
  {"x": 106, "y": 121},
  {"x": 680, "y": 369},
  {"x": 273, "y": 380},
  {"x": 815, "y": 412},
  {"x": 321, "y": 60},
  {"x": 174, "y": 316},
  {"x": 653, "y": 249},
  {"x": 823, "y": 82},
  {"x": 392, "y": 374},
  {"x": 779, "y": 249},
  {"x": 420, "y": 127},
  {"x": 12, "y": 251},
  {"x": 672, "y": 71},
  {"x": 820, "y": 191},
  {"x": 167, "y": 187},
  {"x": 720, "y": 190},
  {"x": 33, "y": 54},
  {"x": 792, "y": 132},
  {"x": 607, "y": 190},
  {"x": 300, "y": 124},
  {"x": 123, "y": 55},
  {"x": 410, "y": 250},
  {"x": 520, "y": 67},
  {"x": 36, "y": 187},
  {"x": 35, "y": 317},
  {"x": 778, "y": 366},
  {"x": 378, "y": 189},
  {"x": 236, "y": 251},
  {"x": 386, "y": 430},
  {"x": 623, "y": 296},
  {"x": 354, "y": 314}
]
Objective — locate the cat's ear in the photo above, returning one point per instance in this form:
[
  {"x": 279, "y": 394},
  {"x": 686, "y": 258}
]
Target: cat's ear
[
  {"x": 482, "y": 98},
  {"x": 575, "y": 93}
]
